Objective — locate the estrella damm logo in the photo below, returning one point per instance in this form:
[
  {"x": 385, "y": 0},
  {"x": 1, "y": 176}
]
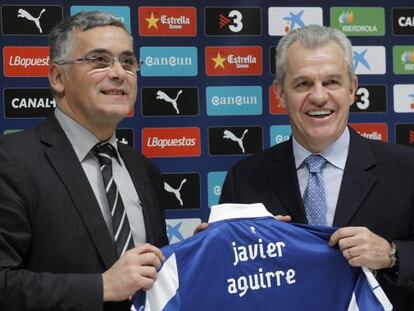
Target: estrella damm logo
[
  {"x": 167, "y": 21},
  {"x": 359, "y": 21},
  {"x": 234, "y": 61},
  {"x": 275, "y": 106},
  {"x": 376, "y": 131}
]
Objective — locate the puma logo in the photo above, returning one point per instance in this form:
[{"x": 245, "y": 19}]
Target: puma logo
[
  {"x": 24, "y": 14},
  {"x": 176, "y": 192},
  {"x": 163, "y": 96},
  {"x": 229, "y": 135}
]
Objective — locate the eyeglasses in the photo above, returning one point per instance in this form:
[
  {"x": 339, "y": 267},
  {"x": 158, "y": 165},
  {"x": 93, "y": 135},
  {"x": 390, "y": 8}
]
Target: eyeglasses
[{"x": 129, "y": 63}]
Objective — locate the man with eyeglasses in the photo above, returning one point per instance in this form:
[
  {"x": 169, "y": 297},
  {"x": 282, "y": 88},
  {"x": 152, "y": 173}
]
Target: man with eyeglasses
[{"x": 81, "y": 216}]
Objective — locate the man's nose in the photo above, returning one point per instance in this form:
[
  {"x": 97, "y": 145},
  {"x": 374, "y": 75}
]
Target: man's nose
[{"x": 319, "y": 94}]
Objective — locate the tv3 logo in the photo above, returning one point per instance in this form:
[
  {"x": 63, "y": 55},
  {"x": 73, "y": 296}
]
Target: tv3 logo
[
  {"x": 362, "y": 98},
  {"x": 236, "y": 17},
  {"x": 370, "y": 98}
]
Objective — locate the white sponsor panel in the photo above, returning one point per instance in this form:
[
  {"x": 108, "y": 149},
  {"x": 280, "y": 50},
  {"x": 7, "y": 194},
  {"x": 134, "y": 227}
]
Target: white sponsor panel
[
  {"x": 181, "y": 228},
  {"x": 404, "y": 97},
  {"x": 369, "y": 60},
  {"x": 285, "y": 19}
]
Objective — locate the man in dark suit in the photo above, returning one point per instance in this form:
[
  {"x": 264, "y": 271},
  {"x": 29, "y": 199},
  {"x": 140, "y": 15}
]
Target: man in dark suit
[
  {"x": 76, "y": 207},
  {"x": 365, "y": 187}
]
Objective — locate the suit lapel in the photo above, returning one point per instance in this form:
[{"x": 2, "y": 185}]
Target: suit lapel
[
  {"x": 63, "y": 158},
  {"x": 284, "y": 181},
  {"x": 142, "y": 185},
  {"x": 356, "y": 181}
]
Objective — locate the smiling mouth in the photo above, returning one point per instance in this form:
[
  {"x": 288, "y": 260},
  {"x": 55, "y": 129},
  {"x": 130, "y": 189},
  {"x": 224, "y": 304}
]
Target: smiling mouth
[
  {"x": 114, "y": 92},
  {"x": 320, "y": 113}
]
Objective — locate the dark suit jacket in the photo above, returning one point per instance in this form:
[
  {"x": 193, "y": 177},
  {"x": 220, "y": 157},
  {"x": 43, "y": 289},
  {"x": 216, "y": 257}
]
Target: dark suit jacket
[
  {"x": 377, "y": 192},
  {"x": 54, "y": 243}
]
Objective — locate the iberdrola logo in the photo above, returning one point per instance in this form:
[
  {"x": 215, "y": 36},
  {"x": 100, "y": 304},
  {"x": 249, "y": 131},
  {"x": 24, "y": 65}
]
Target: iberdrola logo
[
  {"x": 347, "y": 18},
  {"x": 408, "y": 56}
]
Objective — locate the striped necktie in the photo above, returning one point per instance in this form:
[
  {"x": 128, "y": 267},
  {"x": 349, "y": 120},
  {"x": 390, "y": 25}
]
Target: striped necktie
[
  {"x": 314, "y": 197},
  {"x": 120, "y": 224}
]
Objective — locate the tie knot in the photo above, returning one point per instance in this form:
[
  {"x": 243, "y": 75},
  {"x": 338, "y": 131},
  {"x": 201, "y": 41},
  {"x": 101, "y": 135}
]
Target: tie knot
[
  {"x": 315, "y": 163},
  {"x": 104, "y": 152}
]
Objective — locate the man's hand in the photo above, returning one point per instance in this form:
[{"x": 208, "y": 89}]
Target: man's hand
[
  {"x": 135, "y": 270},
  {"x": 201, "y": 227},
  {"x": 361, "y": 247},
  {"x": 285, "y": 218}
]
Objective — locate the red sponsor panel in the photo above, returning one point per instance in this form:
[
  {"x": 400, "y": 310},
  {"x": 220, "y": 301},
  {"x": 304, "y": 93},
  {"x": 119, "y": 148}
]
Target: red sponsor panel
[
  {"x": 234, "y": 61},
  {"x": 25, "y": 61},
  {"x": 275, "y": 106},
  {"x": 171, "y": 142},
  {"x": 167, "y": 21},
  {"x": 377, "y": 131}
]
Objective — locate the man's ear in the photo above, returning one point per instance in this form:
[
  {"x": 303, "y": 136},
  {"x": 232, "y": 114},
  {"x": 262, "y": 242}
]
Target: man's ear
[
  {"x": 352, "y": 89},
  {"x": 56, "y": 78},
  {"x": 278, "y": 89}
]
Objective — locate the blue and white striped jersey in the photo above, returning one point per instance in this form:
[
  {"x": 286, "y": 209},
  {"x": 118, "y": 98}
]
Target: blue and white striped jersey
[{"x": 246, "y": 260}]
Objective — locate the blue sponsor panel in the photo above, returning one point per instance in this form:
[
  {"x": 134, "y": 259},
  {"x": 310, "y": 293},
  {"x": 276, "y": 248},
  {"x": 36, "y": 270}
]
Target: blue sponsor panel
[
  {"x": 123, "y": 13},
  {"x": 215, "y": 182},
  {"x": 168, "y": 61},
  {"x": 279, "y": 133},
  {"x": 234, "y": 100}
]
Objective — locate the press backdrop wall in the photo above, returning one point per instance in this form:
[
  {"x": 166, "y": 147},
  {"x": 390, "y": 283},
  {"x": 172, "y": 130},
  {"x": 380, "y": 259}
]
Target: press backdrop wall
[{"x": 204, "y": 92}]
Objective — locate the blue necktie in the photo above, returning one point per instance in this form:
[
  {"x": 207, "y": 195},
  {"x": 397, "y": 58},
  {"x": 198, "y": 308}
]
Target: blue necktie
[{"x": 314, "y": 197}]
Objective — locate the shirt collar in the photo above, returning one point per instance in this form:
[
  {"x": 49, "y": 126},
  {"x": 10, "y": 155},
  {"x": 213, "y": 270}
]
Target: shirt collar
[
  {"x": 234, "y": 211},
  {"x": 334, "y": 153},
  {"x": 82, "y": 140}
]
